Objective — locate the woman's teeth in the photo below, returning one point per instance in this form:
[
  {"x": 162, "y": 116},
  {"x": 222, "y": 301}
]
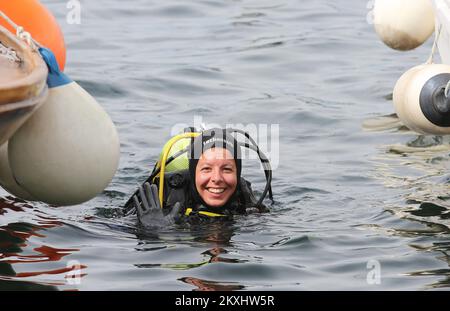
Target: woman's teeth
[{"x": 216, "y": 190}]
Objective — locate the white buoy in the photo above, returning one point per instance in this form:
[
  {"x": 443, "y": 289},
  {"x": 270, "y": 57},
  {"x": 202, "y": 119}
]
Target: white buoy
[
  {"x": 7, "y": 180},
  {"x": 421, "y": 102},
  {"x": 403, "y": 24},
  {"x": 399, "y": 94},
  {"x": 68, "y": 151}
]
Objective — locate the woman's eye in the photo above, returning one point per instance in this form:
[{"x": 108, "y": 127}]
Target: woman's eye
[{"x": 205, "y": 169}]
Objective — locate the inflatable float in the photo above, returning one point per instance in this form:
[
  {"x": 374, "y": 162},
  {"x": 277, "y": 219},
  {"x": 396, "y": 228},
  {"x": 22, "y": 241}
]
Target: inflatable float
[
  {"x": 63, "y": 148},
  {"x": 38, "y": 21},
  {"x": 421, "y": 96}
]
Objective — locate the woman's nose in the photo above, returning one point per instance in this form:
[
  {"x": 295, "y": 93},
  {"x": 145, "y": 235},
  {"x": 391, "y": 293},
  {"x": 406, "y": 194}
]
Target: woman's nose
[{"x": 216, "y": 175}]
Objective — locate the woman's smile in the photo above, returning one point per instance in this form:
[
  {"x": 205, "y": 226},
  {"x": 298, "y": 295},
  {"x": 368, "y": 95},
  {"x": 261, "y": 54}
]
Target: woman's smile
[{"x": 215, "y": 176}]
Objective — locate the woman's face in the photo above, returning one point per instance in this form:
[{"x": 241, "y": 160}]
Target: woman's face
[{"x": 216, "y": 176}]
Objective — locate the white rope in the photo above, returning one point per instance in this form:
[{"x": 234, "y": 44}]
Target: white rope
[
  {"x": 25, "y": 36},
  {"x": 433, "y": 49},
  {"x": 10, "y": 21},
  {"x": 21, "y": 33},
  {"x": 431, "y": 58}
]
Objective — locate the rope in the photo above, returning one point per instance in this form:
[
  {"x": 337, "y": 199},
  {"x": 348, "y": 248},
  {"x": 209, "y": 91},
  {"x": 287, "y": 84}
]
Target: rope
[
  {"x": 433, "y": 49},
  {"x": 10, "y": 21},
  {"x": 21, "y": 33},
  {"x": 431, "y": 58}
]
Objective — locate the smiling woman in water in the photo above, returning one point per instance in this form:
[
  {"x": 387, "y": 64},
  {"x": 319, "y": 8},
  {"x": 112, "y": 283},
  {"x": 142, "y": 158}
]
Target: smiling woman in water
[{"x": 199, "y": 179}]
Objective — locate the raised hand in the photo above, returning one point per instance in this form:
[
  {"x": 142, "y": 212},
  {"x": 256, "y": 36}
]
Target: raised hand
[{"x": 149, "y": 211}]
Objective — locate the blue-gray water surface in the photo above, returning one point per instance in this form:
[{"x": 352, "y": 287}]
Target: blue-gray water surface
[{"x": 354, "y": 209}]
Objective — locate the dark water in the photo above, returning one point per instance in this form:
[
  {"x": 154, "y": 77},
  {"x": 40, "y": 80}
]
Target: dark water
[{"x": 348, "y": 201}]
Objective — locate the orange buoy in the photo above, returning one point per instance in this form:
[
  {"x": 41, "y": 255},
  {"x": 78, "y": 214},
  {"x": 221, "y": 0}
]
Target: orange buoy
[{"x": 39, "y": 22}]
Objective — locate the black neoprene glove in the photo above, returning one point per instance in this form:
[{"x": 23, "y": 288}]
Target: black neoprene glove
[{"x": 149, "y": 211}]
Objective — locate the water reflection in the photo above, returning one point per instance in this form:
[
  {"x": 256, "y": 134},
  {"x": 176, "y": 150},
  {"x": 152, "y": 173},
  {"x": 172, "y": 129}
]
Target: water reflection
[
  {"x": 15, "y": 252},
  {"x": 444, "y": 249},
  {"x": 215, "y": 235},
  {"x": 205, "y": 285},
  {"x": 418, "y": 171},
  {"x": 429, "y": 209},
  {"x": 218, "y": 235},
  {"x": 384, "y": 123}
]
